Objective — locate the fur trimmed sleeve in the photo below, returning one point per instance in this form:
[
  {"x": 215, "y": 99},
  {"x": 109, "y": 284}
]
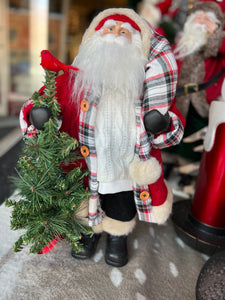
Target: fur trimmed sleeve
[{"x": 215, "y": 45}]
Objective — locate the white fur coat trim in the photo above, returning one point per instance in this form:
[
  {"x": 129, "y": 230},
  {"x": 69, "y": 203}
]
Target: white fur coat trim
[
  {"x": 115, "y": 227},
  {"x": 145, "y": 172}
]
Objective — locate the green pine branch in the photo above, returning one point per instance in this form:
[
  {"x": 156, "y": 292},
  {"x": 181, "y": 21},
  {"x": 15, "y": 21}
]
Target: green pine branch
[{"x": 50, "y": 197}]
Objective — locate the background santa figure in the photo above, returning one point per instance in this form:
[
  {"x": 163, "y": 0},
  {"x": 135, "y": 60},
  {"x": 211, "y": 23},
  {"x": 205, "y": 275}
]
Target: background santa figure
[{"x": 200, "y": 55}]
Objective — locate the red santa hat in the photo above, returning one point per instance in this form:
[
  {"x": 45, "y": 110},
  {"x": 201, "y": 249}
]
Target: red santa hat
[
  {"x": 164, "y": 6},
  {"x": 125, "y": 15},
  {"x": 118, "y": 17}
]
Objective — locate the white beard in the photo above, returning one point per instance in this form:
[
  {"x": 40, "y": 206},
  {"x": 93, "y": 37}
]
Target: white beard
[
  {"x": 114, "y": 70},
  {"x": 110, "y": 64},
  {"x": 193, "y": 38}
]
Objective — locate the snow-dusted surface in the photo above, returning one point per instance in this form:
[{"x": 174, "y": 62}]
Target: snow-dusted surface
[{"x": 161, "y": 266}]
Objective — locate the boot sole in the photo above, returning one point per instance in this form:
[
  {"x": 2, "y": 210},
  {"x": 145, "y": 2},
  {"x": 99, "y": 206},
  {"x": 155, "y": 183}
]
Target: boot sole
[
  {"x": 89, "y": 254},
  {"x": 115, "y": 263},
  {"x": 77, "y": 256}
]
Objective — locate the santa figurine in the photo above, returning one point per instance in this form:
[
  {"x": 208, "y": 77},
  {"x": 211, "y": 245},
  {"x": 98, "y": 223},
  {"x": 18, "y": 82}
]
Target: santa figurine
[
  {"x": 120, "y": 107},
  {"x": 200, "y": 56}
]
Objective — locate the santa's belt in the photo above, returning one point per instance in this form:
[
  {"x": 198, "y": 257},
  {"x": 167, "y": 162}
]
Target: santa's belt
[{"x": 192, "y": 88}]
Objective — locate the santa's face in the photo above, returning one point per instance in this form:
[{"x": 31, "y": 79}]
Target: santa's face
[
  {"x": 117, "y": 28},
  {"x": 195, "y": 34},
  {"x": 112, "y": 60},
  {"x": 206, "y": 19}
]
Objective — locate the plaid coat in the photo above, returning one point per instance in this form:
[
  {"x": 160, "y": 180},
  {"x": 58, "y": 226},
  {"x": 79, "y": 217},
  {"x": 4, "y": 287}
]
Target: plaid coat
[{"x": 159, "y": 92}]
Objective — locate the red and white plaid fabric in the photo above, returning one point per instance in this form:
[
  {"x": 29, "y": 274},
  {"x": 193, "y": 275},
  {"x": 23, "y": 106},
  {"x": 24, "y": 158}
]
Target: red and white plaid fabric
[
  {"x": 27, "y": 128},
  {"x": 159, "y": 91}
]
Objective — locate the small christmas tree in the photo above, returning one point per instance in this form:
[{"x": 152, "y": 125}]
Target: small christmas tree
[{"x": 50, "y": 197}]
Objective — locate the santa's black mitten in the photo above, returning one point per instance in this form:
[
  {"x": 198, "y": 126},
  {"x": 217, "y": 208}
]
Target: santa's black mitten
[
  {"x": 39, "y": 116},
  {"x": 155, "y": 122}
]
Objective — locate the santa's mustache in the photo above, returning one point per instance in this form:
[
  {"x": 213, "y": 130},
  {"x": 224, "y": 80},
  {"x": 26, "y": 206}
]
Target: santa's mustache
[{"x": 112, "y": 38}]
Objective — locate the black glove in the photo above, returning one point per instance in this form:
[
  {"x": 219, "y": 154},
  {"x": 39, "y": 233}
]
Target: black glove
[
  {"x": 155, "y": 122},
  {"x": 39, "y": 116}
]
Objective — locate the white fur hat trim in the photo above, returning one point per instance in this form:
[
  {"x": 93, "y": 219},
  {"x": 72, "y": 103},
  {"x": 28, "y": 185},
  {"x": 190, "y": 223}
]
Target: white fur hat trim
[{"x": 145, "y": 172}]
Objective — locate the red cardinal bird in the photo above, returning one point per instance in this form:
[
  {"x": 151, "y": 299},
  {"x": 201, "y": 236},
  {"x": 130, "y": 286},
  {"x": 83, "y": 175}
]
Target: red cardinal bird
[{"x": 50, "y": 62}]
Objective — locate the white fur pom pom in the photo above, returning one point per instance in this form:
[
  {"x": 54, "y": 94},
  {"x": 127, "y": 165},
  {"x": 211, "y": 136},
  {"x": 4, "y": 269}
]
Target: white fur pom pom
[{"x": 145, "y": 172}]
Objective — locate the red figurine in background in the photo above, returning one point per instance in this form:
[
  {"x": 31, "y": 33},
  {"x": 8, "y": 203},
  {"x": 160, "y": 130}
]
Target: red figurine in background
[{"x": 201, "y": 222}]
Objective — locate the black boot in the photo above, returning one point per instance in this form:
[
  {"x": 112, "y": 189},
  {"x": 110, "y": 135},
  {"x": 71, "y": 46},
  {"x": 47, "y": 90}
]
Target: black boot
[
  {"x": 89, "y": 245},
  {"x": 116, "y": 250}
]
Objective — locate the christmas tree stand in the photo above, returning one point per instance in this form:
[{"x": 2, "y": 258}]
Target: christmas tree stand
[{"x": 200, "y": 223}]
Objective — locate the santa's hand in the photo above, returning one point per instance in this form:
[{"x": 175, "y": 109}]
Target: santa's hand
[
  {"x": 39, "y": 116},
  {"x": 155, "y": 122}
]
